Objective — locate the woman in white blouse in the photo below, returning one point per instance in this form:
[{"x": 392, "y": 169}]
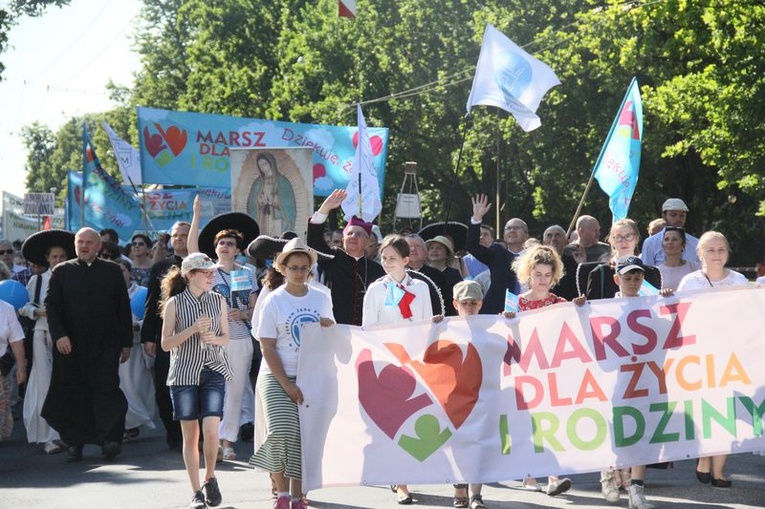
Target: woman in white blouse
[{"x": 713, "y": 251}]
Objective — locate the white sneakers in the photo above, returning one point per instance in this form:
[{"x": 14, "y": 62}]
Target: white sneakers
[
  {"x": 609, "y": 485},
  {"x": 637, "y": 498}
]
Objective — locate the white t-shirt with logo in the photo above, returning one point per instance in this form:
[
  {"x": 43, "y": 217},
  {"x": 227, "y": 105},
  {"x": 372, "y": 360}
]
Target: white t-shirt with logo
[{"x": 283, "y": 316}]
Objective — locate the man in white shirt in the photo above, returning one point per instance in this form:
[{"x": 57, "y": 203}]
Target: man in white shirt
[{"x": 674, "y": 212}]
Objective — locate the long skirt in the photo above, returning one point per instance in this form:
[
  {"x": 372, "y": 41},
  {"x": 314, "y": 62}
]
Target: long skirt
[
  {"x": 38, "y": 430},
  {"x": 136, "y": 382},
  {"x": 280, "y": 452},
  {"x": 240, "y": 358}
]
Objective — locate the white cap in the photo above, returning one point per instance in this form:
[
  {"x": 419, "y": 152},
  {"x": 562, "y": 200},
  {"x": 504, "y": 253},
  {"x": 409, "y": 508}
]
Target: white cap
[{"x": 674, "y": 204}]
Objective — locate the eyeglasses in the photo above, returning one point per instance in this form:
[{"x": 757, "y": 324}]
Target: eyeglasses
[
  {"x": 7, "y": 251},
  {"x": 299, "y": 270},
  {"x": 624, "y": 238},
  {"x": 107, "y": 256}
]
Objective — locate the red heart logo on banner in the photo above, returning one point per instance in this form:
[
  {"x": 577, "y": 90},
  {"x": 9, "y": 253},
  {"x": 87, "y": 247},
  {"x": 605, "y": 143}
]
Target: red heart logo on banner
[
  {"x": 154, "y": 143},
  {"x": 319, "y": 171},
  {"x": 455, "y": 382},
  {"x": 175, "y": 138},
  {"x": 375, "y": 141},
  {"x": 387, "y": 397}
]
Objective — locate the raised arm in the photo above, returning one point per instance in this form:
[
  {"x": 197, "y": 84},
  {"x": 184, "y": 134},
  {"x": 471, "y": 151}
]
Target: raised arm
[{"x": 193, "y": 240}]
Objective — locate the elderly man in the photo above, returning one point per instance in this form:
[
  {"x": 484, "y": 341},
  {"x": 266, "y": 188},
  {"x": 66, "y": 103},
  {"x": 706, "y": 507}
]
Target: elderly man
[
  {"x": 555, "y": 237},
  {"x": 151, "y": 331},
  {"x": 418, "y": 255},
  {"x": 91, "y": 329},
  {"x": 674, "y": 211},
  {"x": 588, "y": 248},
  {"x": 349, "y": 273},
  {"x": 497, "y": 258}
]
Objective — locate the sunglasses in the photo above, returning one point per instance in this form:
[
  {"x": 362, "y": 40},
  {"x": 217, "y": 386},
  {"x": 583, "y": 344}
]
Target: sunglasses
[{"x": 7, "y": 251}]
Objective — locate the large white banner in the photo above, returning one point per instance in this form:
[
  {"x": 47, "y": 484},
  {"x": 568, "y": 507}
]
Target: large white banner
[{"x": 559, "y": 390}]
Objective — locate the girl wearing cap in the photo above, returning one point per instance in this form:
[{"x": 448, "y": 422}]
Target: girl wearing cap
[
  {"x": 195, "y": 332},
  {"x": 540, "y": 268},
  {"x": 281, "y": 319},
  {"x": 713, "y": 251},
  {"x": 236, "y": 283}
]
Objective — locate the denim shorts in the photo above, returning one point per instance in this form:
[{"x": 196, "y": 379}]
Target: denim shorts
[{"x": 192, "y": 402}]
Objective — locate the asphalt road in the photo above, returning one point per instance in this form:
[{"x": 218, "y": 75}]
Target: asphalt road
[{"x": 148, "y": 475}]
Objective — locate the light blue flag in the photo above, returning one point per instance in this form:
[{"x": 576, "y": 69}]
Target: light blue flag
[{"x": 619, "y": 160}]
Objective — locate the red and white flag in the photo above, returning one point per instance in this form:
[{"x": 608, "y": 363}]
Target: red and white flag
[{"x": 347, "y": 8}]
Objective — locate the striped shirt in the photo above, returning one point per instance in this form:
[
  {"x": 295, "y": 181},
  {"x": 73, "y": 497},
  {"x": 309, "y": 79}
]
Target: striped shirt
[{"x": 189, "y": 358}]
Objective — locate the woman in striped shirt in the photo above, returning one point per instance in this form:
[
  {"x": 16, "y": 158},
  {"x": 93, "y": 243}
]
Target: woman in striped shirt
[{"x": 195, "y": 331}]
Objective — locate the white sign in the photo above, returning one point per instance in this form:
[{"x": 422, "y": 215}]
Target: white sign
[
  {"x": 41, "y": 204},
  {"x": 564, "y": 389}
]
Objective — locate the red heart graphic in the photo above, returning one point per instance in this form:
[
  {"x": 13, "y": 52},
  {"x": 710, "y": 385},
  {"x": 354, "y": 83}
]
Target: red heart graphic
[
  {"x": 174, "y": 137},
  {"x": 454, "y": 382},
  {"x": 153, "y": 142},
  {"x": 375, "y": 141},
  {"x": 319, "y": 171},
  {"x": 386, "y": 398}
]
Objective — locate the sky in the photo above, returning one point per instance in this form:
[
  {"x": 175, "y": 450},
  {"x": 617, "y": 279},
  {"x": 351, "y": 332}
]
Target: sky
[{"x": 56, "y": 67}]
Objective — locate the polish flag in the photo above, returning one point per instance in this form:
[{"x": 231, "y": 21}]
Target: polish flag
[{"x": 347, "y": 8}]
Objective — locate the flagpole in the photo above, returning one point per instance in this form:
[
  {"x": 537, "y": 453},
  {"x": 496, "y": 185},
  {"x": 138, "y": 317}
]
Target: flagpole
[
  {"x": 465, "y": 126},
  {"x": 361, "y": 211},
  {"x": 146, "y": 221},
  {"x": 600, "y": 157},
  {"x": 85, "y": 174}
]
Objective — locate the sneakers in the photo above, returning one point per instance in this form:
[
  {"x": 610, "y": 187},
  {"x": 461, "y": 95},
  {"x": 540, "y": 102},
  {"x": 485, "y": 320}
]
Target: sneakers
[
  {"x": 558, "y": 486},
  {"x": 53, "y": 447},
  {"x": 282, "y": 503},
  {"x": 476, "y": 502},
  {"x": 212, "y": 492},
  {"x": 637, "y": 498},
  {"x": 531, "y": 484},
  {"x": 609, "y": 485},
  {"x": 197, "y": 501},
  {"x": 298, "y": 504}
]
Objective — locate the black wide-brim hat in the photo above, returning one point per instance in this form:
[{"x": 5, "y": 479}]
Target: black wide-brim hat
[
  {"x": 240, "y": 221},
  {"x": 37, "y": 244},
  {"x": 265, "y": 247},
  {"x": 454, "y": 230}
]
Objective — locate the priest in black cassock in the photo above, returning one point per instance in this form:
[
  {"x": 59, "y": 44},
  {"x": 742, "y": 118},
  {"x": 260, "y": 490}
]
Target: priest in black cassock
[
  {"x": 349, "y": 273},
  {"x": 91, "y": 328}
]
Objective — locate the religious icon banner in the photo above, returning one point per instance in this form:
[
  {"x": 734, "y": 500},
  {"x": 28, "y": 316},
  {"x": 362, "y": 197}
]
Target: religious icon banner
[{"x": 273, "y": 186}]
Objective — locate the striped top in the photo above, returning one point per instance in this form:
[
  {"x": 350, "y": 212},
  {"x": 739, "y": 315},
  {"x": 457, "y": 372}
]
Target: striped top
[{"x": 189, "y": 358}]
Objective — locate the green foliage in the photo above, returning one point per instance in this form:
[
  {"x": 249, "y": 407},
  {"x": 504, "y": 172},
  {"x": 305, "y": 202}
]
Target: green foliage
[{"x": 699, "y": 65}]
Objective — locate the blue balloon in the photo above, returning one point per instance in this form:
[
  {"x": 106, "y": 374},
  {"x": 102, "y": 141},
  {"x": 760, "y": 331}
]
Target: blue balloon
[
  {"x": 14, "y": 293},
  {"x": 138, "y": 302}
]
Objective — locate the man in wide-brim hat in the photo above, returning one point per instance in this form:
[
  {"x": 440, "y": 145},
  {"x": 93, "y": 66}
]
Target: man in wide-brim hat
[
  {"x": 47, "y": 248},
  {"x": 454, "y": 231}
]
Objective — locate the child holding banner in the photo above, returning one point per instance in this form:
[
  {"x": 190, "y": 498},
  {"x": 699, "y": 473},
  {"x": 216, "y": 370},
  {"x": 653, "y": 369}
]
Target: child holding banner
[
  {"x": 468, "y": 299},
  {"x": 540, "y": 268},
  {"x": 629, "y": 275}
]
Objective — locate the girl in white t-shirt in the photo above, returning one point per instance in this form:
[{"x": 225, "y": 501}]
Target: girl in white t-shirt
[{"x": 281, "y": 319}]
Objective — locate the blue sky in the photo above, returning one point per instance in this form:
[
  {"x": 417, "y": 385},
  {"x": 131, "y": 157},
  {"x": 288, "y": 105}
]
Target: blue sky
[{"x": 57, "y": 67}]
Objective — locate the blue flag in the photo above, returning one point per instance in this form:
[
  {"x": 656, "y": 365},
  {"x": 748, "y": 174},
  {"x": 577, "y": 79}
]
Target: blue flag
[{"x": 619, "y": 160}]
